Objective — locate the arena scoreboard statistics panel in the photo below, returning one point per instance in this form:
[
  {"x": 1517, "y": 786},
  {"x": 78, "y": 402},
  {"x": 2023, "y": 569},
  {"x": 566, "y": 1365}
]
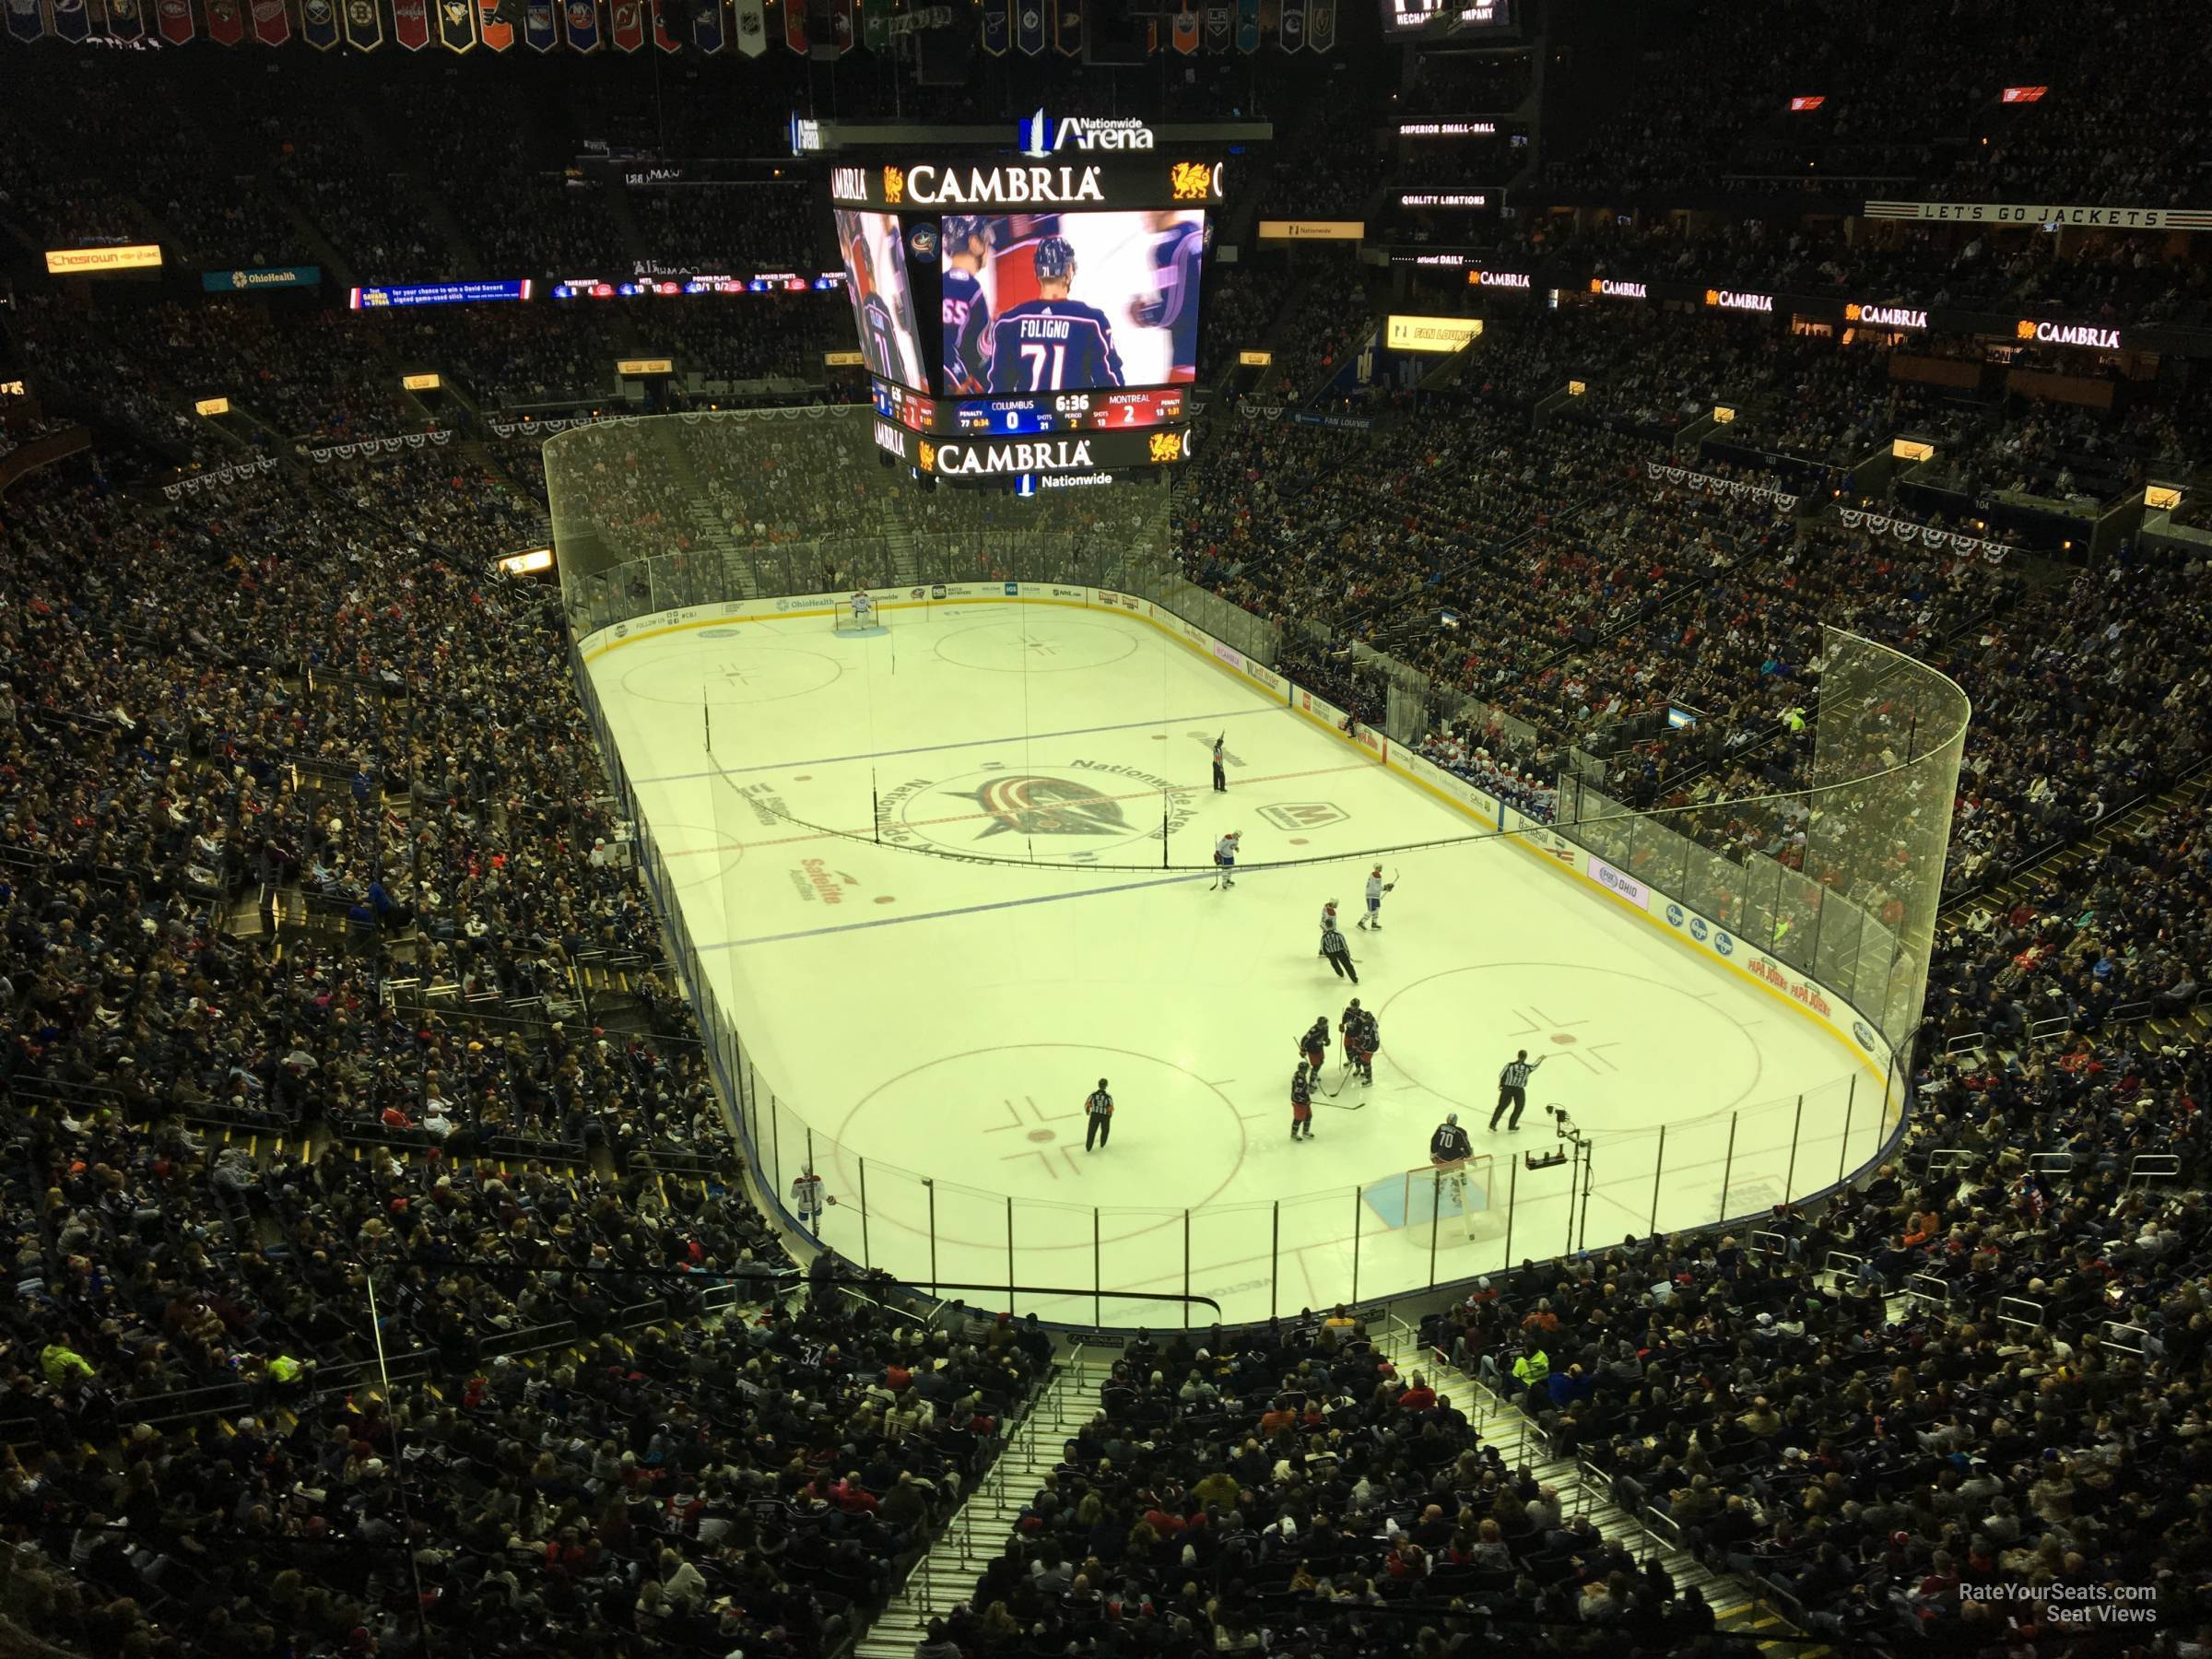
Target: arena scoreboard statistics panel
[
  {"x": 1038, "y": 412},
  {"x": 1048, "y": 289}
]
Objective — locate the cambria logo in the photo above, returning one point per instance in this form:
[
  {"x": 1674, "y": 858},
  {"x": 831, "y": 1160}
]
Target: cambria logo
[{"x": 2068, "y": 334}]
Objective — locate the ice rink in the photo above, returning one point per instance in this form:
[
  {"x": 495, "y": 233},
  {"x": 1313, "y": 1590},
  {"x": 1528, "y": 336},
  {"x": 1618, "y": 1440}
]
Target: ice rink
[{"x": 929, "y": 1025}]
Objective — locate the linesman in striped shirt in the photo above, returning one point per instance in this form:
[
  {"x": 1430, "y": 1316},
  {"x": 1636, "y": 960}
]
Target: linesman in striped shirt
[{"x": 1512, "y": 1089}]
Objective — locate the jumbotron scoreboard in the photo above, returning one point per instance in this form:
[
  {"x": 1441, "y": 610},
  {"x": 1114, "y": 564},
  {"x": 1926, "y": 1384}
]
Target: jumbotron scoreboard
[{"x": 1028, "y": 298}]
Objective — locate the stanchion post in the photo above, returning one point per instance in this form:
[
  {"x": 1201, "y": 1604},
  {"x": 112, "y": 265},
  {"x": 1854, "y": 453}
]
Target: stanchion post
[
  {"x": 1727, "y": 1169},
  {"x": 865, "y": 1262},
  {"x": 1658, "y": 1174},
  {"x": 1789, "y": 1176},
  {"x": 1843, "y": 1148}
]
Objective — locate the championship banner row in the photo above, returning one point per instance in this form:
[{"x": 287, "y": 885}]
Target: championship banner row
[{"x": 1032, "y": 26}]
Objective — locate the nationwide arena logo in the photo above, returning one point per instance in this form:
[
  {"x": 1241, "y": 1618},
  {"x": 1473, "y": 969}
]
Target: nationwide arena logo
[{"x": 1043, "y": 135}]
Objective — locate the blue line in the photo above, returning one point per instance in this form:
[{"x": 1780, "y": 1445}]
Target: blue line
[
  {"x": 964, "y": 909},
  {"x": 1127, "y": 725}
]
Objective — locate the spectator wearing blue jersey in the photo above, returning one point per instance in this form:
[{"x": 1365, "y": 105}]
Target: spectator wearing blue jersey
[{"x": 1054, "y": 342}]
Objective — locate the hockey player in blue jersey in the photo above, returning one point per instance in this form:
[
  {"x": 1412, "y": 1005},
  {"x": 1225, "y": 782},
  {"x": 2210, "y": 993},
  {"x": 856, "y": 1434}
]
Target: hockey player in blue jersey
[
  {"x": 967, "y": 307},
  {"x": 1052, "y": 343},
  {"x": 883, "y": 342},
  {"x": 1178, "y": 249}
]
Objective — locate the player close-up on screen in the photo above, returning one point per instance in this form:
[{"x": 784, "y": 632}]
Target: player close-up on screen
[
  {"x": 883, "y": 303},
  {"x": 1071, "y": 301}
]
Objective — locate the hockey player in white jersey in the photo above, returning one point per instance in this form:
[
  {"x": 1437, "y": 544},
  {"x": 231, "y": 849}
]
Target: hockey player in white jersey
[
  {"x": 1225, "y": 859},
  {"x": 807, "y": 1200},
  {"x": 1376, "y": 888}
]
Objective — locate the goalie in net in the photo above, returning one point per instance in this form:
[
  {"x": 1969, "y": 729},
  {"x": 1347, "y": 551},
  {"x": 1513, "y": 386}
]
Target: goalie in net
[{"x": 860, "y": 611}]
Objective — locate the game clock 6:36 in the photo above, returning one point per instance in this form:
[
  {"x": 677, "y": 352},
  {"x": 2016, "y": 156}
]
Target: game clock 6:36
[{"x": 1071, "y": 412}]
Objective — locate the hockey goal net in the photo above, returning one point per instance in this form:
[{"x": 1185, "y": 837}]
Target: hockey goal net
[
  {"x": 858, "y": 611},
  {"x": 1452, "y": 1201}
]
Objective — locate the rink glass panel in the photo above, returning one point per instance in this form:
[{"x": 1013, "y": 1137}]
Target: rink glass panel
[{"x": 1840, "y": 880}]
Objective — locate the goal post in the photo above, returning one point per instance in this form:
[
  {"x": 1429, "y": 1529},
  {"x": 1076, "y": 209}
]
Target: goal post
[
  {"x": 858, "y": 612},
  {"x": 1451, "y": 1202}
]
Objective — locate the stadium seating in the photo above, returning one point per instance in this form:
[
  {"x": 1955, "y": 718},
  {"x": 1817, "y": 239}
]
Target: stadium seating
[{"x": 385, "y": 1262}]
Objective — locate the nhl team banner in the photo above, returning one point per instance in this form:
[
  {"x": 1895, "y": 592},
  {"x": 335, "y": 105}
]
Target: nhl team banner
[
  {"x": 272, "y": 23},
  {"x": 580, "y": 20},
  {"x": 27, "y": 20},
  {"x": 2046, "y": 213},
  {"x": 493, "y": 30},
  {"x": 875, "y": 24},
  {"x": 1028, "y": 26},
  {"x": 664, "y": 31},
  {"x": 842, "y": 33},
  {"x": 126, "y": 22},
  {"x": 226, "y": 23},
  {"x": 173, "y": 18},
  {"x": 457, "y": 24},
  {"x": 1321, "y": 25},
  {"x": 318, "y": 23},
  {"x": 410, "y": 23},
  {"x": 626, "y": 25},
  {"x": 1067, "y": 28},
  {"x": 1248, "y": 25},
  {"x": 708, "y": 32},
  {"x": 364, "y": 24},
  {"x": 751, "y": 20},
  {"x": 1186, "y": 31},
  {"x": 1218, "y": 29},
  {"x": 72, "y": 21},
  {"x": 997, "y": 32},
  {"x": 1290, "y": 26},
  {"x": 795, "y": 26},
  {"x": 541, "y": 25}
]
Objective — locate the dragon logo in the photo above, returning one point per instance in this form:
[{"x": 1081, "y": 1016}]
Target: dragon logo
[
  {"x": 894, "y": 186},
  {"x": 1029, "y": 806}
]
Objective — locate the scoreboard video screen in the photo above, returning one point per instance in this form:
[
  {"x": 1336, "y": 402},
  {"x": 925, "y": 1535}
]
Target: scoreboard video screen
[
  {"x": 882, "y": 299},
  {"x": 1046, "y": 307},
  {"x": 1403, "y": 17},
  {"x": 1069, "y": 302}
]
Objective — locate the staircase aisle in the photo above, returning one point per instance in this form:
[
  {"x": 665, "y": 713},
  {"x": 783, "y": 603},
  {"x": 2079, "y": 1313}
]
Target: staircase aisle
[
  {"x": 1582, "y": 1489},
  {"x": 980, "y": 1530}
]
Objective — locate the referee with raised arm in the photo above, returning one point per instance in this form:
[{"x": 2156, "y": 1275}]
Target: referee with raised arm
[{"x": 1512, "y": 1089}]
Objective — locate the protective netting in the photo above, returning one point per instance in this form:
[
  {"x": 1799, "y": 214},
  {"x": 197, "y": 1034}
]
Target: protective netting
[
  {"x": 1841, "y": 880},
  {"x": 1838, "y": 880}
]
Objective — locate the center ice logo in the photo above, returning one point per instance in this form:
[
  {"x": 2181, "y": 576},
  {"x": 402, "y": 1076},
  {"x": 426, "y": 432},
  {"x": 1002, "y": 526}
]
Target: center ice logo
[
  {"x": 1092, "y": 808},
  {"x": 1029, "y": 806}
]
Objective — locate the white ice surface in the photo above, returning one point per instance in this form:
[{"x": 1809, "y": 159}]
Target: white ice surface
[{"x": 939, "y": 1019}]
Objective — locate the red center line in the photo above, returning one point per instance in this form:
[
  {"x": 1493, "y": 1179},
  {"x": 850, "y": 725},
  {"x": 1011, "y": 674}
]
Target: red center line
[{"x": 960, "y": 818}]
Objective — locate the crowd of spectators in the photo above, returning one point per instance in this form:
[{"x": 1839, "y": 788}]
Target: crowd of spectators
[
  {"x": 1709, "y": 112},
  {"x": 609, "y": 1420}
]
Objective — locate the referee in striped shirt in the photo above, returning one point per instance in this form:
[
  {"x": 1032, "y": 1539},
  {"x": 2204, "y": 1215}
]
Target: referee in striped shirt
[{"x": 1512, "y": 1089}]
